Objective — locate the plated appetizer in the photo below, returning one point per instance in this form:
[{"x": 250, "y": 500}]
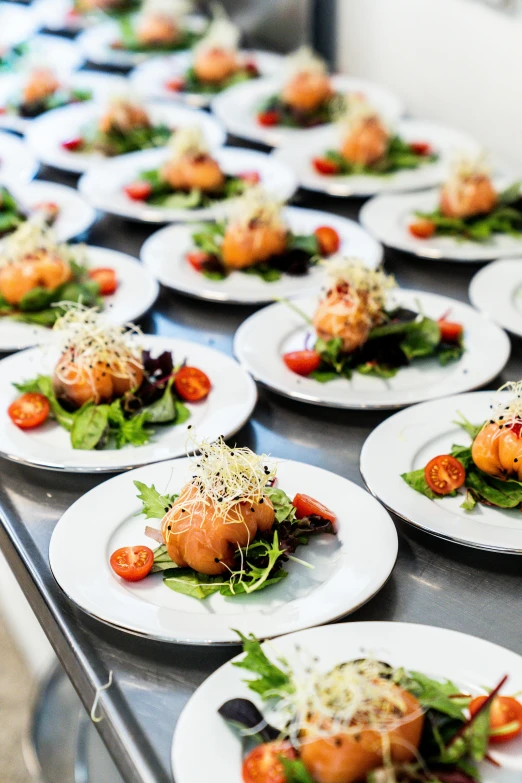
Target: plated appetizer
[
  {"x": 158, "y": 27},
  {"x": 12, "y": 56},
  {"x": 38, "y": 276},
  {"x": 125, "y": 126},
  {"x": 42, "y": 91},
  {"x": 105, "y": 390},
  {"x": 190, "y": 178},
  {"x": 13, "y": 214},
  {"x": 368, "y": 146},
  {"x": 363, "y": 720},
  {"x": 256, "y": 239},
  {"x": 229, "y": 530},
  {"x": 470, "y": 207},
  {"x": 358, "y": 330},
  {"x": 490, "y": 470}
]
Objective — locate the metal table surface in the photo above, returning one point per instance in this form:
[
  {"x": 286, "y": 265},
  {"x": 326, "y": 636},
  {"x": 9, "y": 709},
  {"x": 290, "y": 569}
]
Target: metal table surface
[{"x": 434, "y": 582}]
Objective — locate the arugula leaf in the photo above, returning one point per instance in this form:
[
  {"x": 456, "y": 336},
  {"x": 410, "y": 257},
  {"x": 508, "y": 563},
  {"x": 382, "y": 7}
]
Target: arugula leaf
[
  {"x": 271, "y": 680},
  {"x": 295, "y": 771},
  {"x": 433, "y": 694},
  {"x": 89, "y": 426},
  {"x": 472, "y": 429},
  {"x": 283, "y": 506},
  {"x": 230, "y": 588},
  {"x": 417, "y": 481},
  {"x": 155, "y": 505},
  {"x": 463, "y": 454}
]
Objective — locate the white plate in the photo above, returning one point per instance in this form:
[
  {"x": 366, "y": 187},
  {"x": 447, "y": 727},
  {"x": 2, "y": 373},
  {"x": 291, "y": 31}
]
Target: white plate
[
  {"x": 50, "y": 51},
  {"x": 164, "y": 253},
  {"x": 48, "y": 132},
  {"x": 136, "y": 293},
  {"x": 415, "y": 436},
  {"x": 103, "y": 185},
  {"x": 347, "y": 572},
  {"x": 58, "y": 15},
  {"x": 263, "y": 338},
  {"x": 95, "y": 43},
  {"x": 388, "y": 218},
  {"x": 150, "y": 77},
  {"x": 226, "y": 410},
  {"x": 75, "y": 216},
  {"x": 238, "y": 107},
  {"x": 102, "y": 85},
  {"x": 469, "y": 662},
  {"x": 17, "y": 24},
  {"x": 445, "y": 142},
  {"x": 17, "y": 164},
  {"x": 496, "y": 290}
]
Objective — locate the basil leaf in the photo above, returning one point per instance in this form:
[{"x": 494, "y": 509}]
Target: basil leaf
[{"x": 89, "y": 426}]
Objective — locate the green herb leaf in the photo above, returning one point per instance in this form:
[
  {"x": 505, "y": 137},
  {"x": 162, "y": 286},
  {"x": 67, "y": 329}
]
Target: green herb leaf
[
  {"x": 283, "y": 506},
  {"x": 417, "y": 481},
  {"x": 89, "y": 427},
  {"x": 43, "y": 385},
  {"x": 155, "y": 505},
  {"x": 472, "y": 429},
  {"x": 295, "y": 771},
  {"x": 188, "y": 582},
  {"x": 436, "y": 695},
  {"x": 271, "y": 679},
  {"x": 162, "y": 561},
  {"x": 307, "y": 243},
  {"x": 422, "y": 340},
  {"x": 162, "y": 410}
]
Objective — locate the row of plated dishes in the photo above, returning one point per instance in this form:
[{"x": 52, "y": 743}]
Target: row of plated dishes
[{"x": 225, "y": 538}]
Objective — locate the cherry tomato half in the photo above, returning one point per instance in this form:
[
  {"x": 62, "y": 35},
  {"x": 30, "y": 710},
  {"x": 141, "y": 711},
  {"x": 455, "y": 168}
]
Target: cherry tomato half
[
  {"x": 73, "y": 145},
  {"x": 29, "y": 411},
  {"x": 106, "y": 279},
  {"x": 450, "y": 331},
  {"x": 505, "y": 717},
  {"x": 422, "y": 228},
  {"x": 176, "y": 84},
  {"x": 192, "y": 384},
  {"x": 302, "y": 362},
  {"x": 268, "y": 118},
  {"x": 138, "y": 191},
  {"x": 251, "y": 177},
  {"x": 197, "y": 258},
  {"x": 262, "y": 765},
  {"x": 305, "y": 506},
  {"x": 132, "y": 563},
  {"x": 444, "y": 474},
  {"x": 421, "y": 147},
  {"x": 329, "y": 240},
  {"x": 325, "y": 166}
]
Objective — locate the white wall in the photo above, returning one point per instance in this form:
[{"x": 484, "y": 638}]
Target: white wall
[{"x": 455, "y": 61}]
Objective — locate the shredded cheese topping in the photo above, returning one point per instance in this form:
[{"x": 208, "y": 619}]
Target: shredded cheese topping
[
  {"x": 256, "y": 206},
  {"x": 34, "y": 237},
  {"x": 222, "y": 34},
  {"x": 187, "y": 141},
  {"x": 88, "y": 340},
  {"x": 304, "y": 60}
]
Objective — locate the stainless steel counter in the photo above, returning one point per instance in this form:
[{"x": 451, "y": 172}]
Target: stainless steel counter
[{"x": 433, "y": 582}]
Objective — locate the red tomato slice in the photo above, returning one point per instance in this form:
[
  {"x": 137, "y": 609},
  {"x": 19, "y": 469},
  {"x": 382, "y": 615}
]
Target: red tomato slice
[
  {"x": 450, "y": 331},
  {"x": 252, "y": 177},
  {"x": 268, "y": 118},
  {"x": 132, "y": 562},
  {"x": 138, "y": 191},
  {"x": 262, "y": 765},
  {"x": 73, "y": 144},
  {"x": 421, "y": 147},
  {"x": 251, "y": 68},
  {"x": 106, "y": 279},
  {"x": 192, "y": 384},
  {"x": 176, "y": 84},
  {"x": 302, "y": 362},
  {"x": 329, "y": 240},
  {"x": 197, "y": 258},
  {"x": 444, "y": 474},
  {"x": 305, "y": 506},
  {"x": 422, "y": 228},
  {"x": 29, "y": 411},
  {"x": 505, "y": 717},
  {"x": 325, "y": 166}
]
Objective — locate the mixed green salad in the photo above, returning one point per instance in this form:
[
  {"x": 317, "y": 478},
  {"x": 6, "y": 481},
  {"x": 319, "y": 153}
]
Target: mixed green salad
[
  {"x": 400, "y": 156},
  {"x": 191, "y": 83},
  {"x": 118, "y": 142},
  {"x": 275, "y": 112},
  {"x": 129, "y": 41},
  {"x": 153, "y": 189},
  {"x": 59, "y": 98}
]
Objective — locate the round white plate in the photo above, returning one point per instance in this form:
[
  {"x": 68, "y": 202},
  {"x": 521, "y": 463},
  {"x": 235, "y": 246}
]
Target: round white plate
[
  {"x": 262, "y": 339},
  {"x": 102, "y": 85},
  {"x": 388, "y": 218},
  {"x": 50, "y": 51},
  {"x": 17, "y": 164},
  {"x": 103, "y": 185},
  {"x": 95, "y": 43},
  {"x": 445, "y": 142},
  {"x": 415, "y": 436},
  {"x": 58, "y": 15},
  {"x": 150, "y": 77},
  {"x": 17, "y": 24},
  {"x": 470, "y": 662},
  {"x": 164, "y": 253},
  {"x": 496, "y": 290},
  {"x": 226, "y": 410},
  {"x": 238, "y": 107},
  {"x": 48, "y": 132},
  {"x": 75, "y": 216},
  {"x": 348, "y": 570},
  {"x": 136, "y": 293}
]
